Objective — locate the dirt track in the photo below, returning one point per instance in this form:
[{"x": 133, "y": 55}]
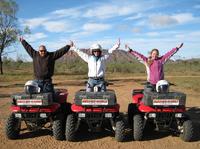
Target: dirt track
[{"x": 104, "y": 140}]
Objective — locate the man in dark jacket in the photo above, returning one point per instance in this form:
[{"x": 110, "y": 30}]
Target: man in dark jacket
[{"x": 43, "y": 63}]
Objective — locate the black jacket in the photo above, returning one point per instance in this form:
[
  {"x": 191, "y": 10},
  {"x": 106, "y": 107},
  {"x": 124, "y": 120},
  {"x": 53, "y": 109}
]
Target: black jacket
[{"x": 44, "y": 66}]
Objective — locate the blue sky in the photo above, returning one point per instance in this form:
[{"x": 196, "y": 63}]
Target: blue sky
[{"x": 143, "y": 24}]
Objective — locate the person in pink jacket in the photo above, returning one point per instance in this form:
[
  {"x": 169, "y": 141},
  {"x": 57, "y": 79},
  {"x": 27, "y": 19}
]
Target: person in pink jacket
[{"x": 154, "y": 63}]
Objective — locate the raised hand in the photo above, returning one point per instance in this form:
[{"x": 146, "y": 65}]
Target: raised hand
[
  {"x": 180, "y": 46},
  {"x": 127, "y": 47},
  {"x": 71, "y": 43},
  {"x": 21, "y": 38},
  {"x": 118, "y": 43}
]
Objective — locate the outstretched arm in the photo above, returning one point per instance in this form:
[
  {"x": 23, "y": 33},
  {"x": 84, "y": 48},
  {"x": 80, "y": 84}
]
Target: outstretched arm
[
  {"x": 137, "y": 55},
  {"x": 170, "y": 53},
  {"x": 115, "y": 47},
  {"x": 57, "y": 54},
  {"x": 28, "y": 47},
  {"x": 80, "y": 53}
]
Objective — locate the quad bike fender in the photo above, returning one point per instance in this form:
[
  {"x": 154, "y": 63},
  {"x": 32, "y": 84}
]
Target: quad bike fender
[
  {"x": 144, "y": 108},
  {"x": 76, "y": 108},
  {"x": 137, "y": 98},
  {"x": 61, "y": 95},
  {"x": 50, "y": 109}
]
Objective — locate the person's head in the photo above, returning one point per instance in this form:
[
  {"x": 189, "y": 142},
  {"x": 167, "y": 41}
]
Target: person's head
[
  {"x": 154, "y": 54},
  {"x": 42, "y": 50},
  {"x": 96, "y": 50}
]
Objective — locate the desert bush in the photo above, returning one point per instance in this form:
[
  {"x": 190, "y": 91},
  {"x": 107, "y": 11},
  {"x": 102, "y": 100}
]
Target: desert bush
[{"x": 79, "y": 67}]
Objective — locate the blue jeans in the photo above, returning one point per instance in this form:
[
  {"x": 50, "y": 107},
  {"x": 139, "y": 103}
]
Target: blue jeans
[
  {"x": 93, "y": 82},
  {"x": 45, "y": 86}
]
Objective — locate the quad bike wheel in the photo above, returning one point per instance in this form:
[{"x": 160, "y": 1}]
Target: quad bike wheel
[
  {"x": 13, "y": 126},
  {"x": 70, "y": 129},
  {"x": 120, "y": 130},
  {"x": 187, "y": 133},
  {"x": 59, "y": 127},
  {"x": 138, "y": 129}
]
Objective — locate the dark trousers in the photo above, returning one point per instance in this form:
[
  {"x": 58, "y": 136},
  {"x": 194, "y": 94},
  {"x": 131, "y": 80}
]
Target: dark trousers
[{"x": 45, "y": 85}]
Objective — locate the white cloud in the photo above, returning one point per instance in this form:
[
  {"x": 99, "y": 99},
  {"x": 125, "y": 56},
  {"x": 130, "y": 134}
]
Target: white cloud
[
  {"x": 183, "y": 17},
  {"x": 49, "y": 24},
  {"x": 80, "y": 34},
  {"x": 134, "y": 17},
  {"x": 96, "y": 27},
  {"x": 55, "y": 26},
  {"x": 91, "y": 28},
  {"x": 136, "y": 30},
  {"x": 34, "y": 22},
  {"x": 152, "y": 34},
  {"x": 71, "y": 12},
  {"x": 35, "y": 37},
  {"x": 116, "y": 9},
  {"x": 161, "y": 21}
]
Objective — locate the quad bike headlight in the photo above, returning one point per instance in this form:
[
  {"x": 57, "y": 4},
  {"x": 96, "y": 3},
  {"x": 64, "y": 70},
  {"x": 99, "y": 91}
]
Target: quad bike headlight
[
  {"x": 18, "y": 115},
  {"x": 152, "y": 115},
  {"x": 81, "y": 115},
  {"x": 108, "y": 115},
  {"x": 43, "y": 115},
  {"x": 179, "y": 115}
]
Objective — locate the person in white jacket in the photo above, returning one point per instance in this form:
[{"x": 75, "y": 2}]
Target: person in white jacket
[{"x": 96, "y": 65}]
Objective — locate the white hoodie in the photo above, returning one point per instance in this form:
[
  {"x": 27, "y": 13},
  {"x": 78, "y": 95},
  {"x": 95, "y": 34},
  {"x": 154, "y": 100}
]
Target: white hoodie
[{"x": 96, "y": 67}]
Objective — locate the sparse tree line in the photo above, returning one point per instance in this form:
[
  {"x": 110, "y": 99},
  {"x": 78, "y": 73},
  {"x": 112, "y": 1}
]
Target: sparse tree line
[{"x": 77, "y": 66}]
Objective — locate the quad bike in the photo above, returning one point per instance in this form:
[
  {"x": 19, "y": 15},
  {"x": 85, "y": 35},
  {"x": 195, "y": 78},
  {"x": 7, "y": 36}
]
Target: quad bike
[
  {"x": 38, "y": 110},
  {"x": 96, "y": 109},
  {"x": 162, "y": 111}
]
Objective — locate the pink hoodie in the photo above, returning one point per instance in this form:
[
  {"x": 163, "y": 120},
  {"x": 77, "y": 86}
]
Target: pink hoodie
[{"x": 155, "y": 70}]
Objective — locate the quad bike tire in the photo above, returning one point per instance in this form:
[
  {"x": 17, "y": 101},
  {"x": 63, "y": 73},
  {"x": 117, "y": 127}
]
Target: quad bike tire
[
  {"x": 12, "y": 127},
  {"x": 59, "y": 127},
  {"x": 120, "y": 130},
  {"x": 188, "y": 131},
  {"x": 138, "y": 129},
  {"x": 70, "y": 129}
]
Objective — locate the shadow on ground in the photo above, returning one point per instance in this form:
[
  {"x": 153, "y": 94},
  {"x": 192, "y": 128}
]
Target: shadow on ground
[
  {"x": 4, "y": 95},
  {"x": 34, "y": 134}
]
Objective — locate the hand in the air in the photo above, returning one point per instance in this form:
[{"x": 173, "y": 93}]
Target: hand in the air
[
  {"x": 180, "y": 46},
  {"x": 127, "y": 47}
]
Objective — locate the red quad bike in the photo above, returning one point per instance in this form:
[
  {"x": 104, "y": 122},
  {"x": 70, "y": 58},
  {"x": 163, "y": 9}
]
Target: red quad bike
[
  {"x": 166, "y": 111},
  {"x": 96, "y": 109},
  {"x": 38, "y": 111}
]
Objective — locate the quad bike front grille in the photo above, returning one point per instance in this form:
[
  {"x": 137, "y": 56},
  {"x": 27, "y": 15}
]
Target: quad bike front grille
[
  {"x": 164, "y": 116},
  {"x": 30, "y": 115},
  {"x": 33, "y": 116},
  {"x": 94, "y": 115},
  {"x": 164, "y": 120}
]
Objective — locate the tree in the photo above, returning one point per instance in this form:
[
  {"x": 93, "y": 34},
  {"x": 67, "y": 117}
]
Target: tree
[{"x": 8, "y": 26}]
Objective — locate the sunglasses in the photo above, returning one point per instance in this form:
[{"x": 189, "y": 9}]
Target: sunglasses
[
  {"x": 42, "y": 51},
  {"x": 96, "y": 51}
]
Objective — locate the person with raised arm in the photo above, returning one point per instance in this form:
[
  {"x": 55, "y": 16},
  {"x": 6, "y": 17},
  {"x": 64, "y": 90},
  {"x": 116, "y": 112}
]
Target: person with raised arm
[
  {"x": 154, "y": 63},
  {"x": 96, "y": 65},
  {"x": 43, "y": 63}
]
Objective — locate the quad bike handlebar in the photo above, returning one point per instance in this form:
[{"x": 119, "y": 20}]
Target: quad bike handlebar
[
  {"x": 105, "y": 82},
  {"x": 146, "y": 83}
]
